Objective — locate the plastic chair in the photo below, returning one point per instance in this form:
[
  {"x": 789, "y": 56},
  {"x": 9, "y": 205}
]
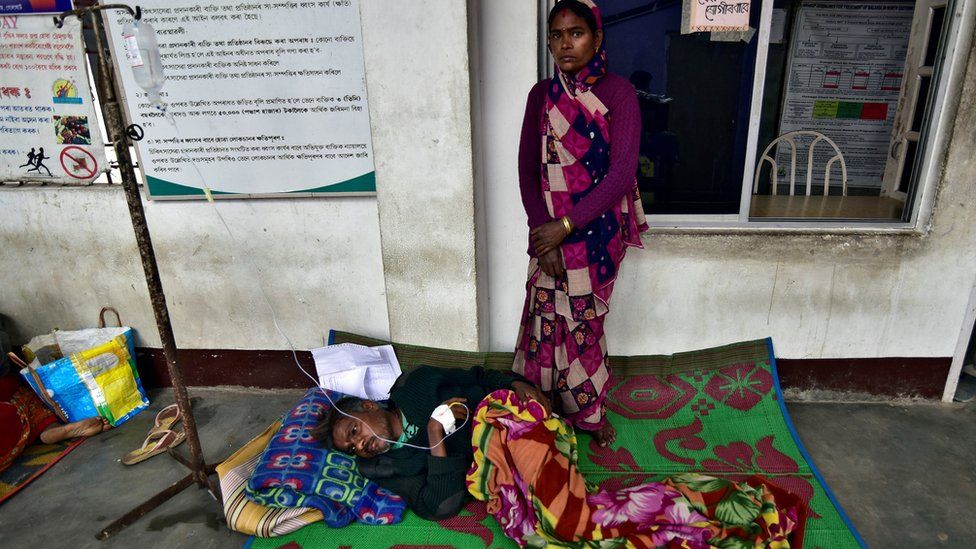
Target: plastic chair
[{"x": 790, "y": 137}]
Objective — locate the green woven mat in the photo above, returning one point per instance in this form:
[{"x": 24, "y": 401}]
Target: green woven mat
[{"x": 717, "y": 411}]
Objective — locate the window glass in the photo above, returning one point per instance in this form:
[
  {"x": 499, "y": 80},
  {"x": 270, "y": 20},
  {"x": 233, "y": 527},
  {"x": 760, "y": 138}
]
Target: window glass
[
  {"x": 932, "y": 48},
  {"x": 694, "y": 95},
  {"x": 911, "y": 150},
  {"x": 838, "y": 89},
  {"x": 924, "y": 82},
  {"x": 833, "y": 82}
]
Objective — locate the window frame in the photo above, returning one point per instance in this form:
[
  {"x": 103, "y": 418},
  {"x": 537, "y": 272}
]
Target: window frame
[{"x": 936, "y": 133}]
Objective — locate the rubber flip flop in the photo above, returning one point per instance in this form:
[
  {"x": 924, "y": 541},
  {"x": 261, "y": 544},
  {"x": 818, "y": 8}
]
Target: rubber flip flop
[
  {"x": 165, "y": 419},
  {"x": 155, "y": 444}
]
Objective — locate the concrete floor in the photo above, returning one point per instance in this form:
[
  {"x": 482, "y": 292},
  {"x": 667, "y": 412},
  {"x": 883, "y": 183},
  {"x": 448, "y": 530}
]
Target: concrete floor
[{"x": 903, "y": 472}]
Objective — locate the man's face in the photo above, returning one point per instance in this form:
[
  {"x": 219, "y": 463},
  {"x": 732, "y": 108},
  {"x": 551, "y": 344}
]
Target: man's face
[{"x": 353, "y": 437}]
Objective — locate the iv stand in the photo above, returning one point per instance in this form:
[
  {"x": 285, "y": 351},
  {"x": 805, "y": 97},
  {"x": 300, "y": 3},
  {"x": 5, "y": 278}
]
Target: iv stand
[{"x": 109, "y": 91}]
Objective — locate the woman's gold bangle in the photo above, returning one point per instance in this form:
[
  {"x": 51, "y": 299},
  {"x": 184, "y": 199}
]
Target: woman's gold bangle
[{"x": 567, "y": 224}]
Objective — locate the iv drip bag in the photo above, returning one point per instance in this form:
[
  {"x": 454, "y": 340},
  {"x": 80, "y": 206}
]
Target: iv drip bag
[{"x": 142, "y": 52}]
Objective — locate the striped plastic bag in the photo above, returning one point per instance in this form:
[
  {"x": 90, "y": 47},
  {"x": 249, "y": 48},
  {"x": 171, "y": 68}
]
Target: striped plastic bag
[{"x": 96, "y": 376}]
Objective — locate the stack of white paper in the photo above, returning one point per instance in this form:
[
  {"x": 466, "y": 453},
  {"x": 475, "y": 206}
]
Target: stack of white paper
[{"x": 357, "y": 370}]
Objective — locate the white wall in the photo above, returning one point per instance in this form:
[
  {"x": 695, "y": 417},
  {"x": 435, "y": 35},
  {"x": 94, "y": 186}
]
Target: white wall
[
  {"x": 69, "y": 251},
  {"x": 418, "y": 84},
  {"x": 405, "y": 264},
  {"x": 818, "y": 296},
  {"x": 400, "y": 265},
  {"x": 506, "y": 47}
]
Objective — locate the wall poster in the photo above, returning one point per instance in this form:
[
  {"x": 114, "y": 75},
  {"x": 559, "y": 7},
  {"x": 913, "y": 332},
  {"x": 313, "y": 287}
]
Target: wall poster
[
  {"x": 34, "y": 6},
  {"x": 715, "y": 16},
  {"x": 845, "y": 69},
  {"x": 48, "y": 122},
  {"x": 266, "y": 99}
]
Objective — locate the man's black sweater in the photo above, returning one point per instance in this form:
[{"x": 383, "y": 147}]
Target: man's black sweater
[{"x": 433, "y": 486}]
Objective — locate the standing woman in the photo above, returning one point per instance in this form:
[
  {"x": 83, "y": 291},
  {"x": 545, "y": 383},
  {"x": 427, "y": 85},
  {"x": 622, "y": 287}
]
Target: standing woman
[{"x": 577, "y": 165}]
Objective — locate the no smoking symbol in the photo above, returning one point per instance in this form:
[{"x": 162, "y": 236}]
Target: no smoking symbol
[{"x": 78, "y": 163}]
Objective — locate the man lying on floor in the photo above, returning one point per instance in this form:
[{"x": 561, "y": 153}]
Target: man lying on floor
[
  {"x": 525, "y": 468},
  {"x": 431, "y": 481}
]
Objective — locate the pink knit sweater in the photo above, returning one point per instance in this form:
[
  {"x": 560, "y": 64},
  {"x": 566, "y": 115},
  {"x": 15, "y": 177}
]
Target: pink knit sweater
[{"x": 618, "y": 95}]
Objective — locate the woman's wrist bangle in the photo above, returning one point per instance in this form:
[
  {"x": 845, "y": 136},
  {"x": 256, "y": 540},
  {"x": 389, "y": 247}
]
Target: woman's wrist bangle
[{"x": 567, "y": 224}]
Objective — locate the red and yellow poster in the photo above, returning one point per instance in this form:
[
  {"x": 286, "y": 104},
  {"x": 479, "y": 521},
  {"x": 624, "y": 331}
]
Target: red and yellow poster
[{"x": 48, "y": 123}]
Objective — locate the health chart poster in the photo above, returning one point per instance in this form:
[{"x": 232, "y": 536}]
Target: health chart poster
[{"x": 845, "y": 72}]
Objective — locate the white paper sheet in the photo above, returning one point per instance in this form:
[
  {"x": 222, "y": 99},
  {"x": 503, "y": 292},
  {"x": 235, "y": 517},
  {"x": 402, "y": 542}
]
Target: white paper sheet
[
  {"x": 350, "y": 382},
  {"x": 357, "y": 370}
]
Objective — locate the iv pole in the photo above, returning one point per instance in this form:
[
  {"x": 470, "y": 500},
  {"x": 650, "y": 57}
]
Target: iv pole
[{"x": 109, "y": 91}]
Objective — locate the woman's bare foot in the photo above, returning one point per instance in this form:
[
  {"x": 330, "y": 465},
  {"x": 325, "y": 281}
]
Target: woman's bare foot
[
  {"x": 84, "y": 428},
  {"x": 606, "y": 435}
]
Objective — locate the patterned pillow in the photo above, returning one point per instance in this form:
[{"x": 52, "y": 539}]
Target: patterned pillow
[
  {"x": 296, "y": 471},
  {"x": 244, "y": 515}
]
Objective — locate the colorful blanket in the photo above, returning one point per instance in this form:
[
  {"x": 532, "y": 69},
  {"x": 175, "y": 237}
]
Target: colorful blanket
[
  {"x": 525, "y": 469},
  {"x": 23, "y": 417}
]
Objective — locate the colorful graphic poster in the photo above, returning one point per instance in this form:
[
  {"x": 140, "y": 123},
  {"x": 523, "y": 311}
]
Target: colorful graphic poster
[
  {"x": 717, "y": 15},
  {"x": 264, "y": 99},
  {"x": 48, "y": 124},
  {"x": 844, "y": 77},
  {"x": 34, "y": 6}
]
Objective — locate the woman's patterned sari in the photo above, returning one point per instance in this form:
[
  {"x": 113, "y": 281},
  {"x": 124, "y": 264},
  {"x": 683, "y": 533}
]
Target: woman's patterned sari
[{"x": 561, "y": 345}]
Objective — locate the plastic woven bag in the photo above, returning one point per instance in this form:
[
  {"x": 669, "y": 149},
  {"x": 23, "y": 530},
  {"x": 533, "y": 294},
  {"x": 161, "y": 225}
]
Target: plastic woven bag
[{"x": 95, "y": 375}]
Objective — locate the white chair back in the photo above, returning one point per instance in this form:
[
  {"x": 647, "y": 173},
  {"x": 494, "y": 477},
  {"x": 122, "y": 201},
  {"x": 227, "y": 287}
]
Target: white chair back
[{"x": 790, "y": 138}]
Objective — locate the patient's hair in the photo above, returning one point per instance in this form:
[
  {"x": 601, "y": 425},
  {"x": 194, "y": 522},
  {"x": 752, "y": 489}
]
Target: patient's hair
[{"x": 323, "y": 431}]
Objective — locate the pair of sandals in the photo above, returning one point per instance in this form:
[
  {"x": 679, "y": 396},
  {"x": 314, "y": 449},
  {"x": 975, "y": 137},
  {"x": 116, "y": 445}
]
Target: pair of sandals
[{"x": 161, "y": 436}]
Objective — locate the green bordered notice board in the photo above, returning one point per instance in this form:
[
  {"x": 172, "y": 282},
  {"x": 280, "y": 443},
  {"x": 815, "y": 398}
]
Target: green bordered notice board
[{"x": 263, "y": 100}]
